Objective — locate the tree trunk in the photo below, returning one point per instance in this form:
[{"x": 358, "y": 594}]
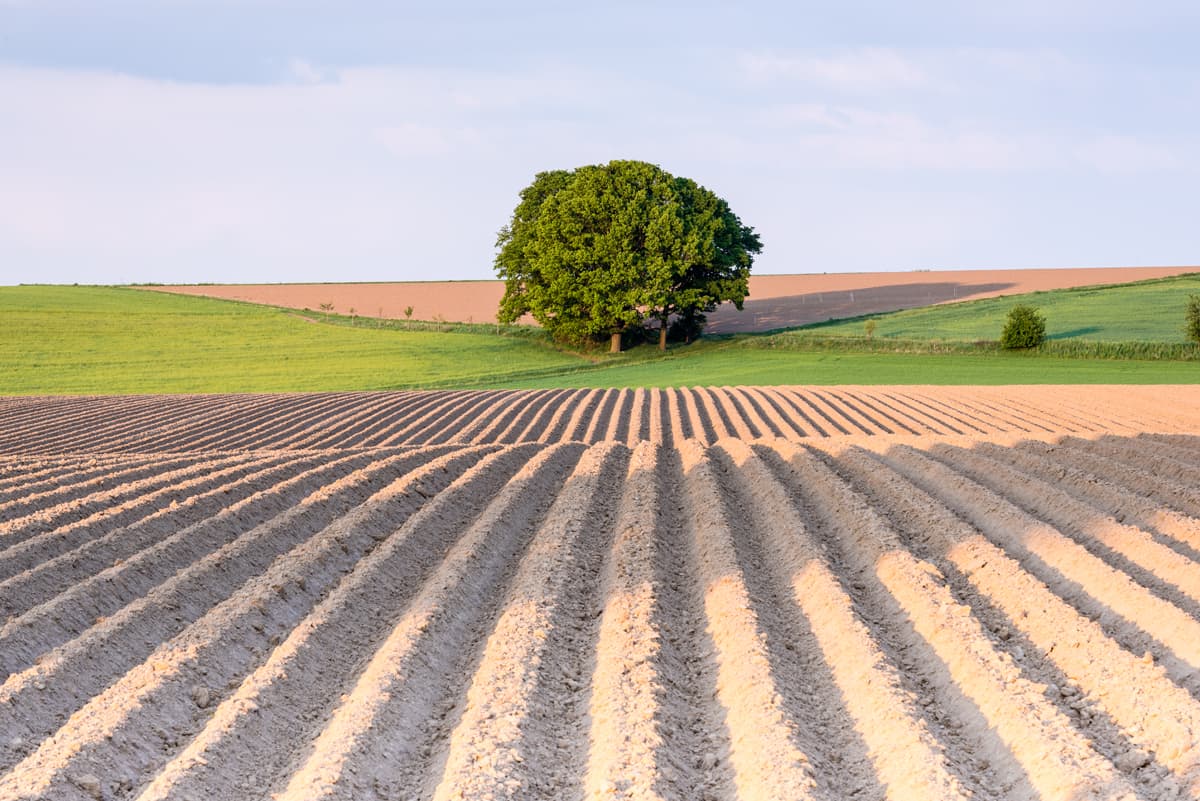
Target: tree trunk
[
  {"x": 616, "y": 342},
  {"x": 662, "y": 335}
]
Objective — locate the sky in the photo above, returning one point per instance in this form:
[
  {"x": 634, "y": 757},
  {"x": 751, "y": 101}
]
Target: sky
[{"x": 176, "y": 141}]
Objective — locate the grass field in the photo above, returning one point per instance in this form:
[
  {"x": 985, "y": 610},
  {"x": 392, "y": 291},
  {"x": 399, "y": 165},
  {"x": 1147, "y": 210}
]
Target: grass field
[
  {"x": 115, "y": 340},
  {"x": 1145, "y": 311},
  {"x": 85, "y": 340}
]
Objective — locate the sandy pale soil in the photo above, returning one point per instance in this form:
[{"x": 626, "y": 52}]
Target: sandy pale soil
[
  {"x": 776, "y": 301},
  {"x": 742, "y": 593}
]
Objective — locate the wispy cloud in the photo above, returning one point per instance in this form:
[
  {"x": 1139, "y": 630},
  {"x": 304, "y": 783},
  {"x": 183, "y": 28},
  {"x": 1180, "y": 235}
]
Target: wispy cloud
[{"x": 863, "y": 69}]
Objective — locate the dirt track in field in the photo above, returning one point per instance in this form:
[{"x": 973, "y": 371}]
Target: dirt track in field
[
  {"x": 738, "y": 593},
  {"x": 776, "y": 301}
]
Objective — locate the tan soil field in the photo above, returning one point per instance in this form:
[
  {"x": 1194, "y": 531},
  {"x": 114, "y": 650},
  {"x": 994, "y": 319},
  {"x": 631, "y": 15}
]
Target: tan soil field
[
  {"x": 746, "y": 593},
  {"x": 776, "y": 301}
]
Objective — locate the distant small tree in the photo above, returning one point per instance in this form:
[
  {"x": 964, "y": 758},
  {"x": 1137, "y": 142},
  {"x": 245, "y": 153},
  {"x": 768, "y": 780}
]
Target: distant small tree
[
  {"x": 327, "y": 308},
  {"x": 869, "y": 327},
  {"x": 1193, "y": 318},
  {"x": 1025, "y": 328},
  {"x": 408, "y": 310}
]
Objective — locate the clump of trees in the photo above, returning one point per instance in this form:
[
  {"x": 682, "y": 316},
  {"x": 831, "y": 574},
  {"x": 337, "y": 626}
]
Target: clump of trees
[
  {"x": 1192, "y": 321},
  {"x": 602, "y": 250},
  {"x": 1024, "y": 328}
]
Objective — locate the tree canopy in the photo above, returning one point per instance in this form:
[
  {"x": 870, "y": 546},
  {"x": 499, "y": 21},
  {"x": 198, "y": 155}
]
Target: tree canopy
[{"x": 595, "y": 252}]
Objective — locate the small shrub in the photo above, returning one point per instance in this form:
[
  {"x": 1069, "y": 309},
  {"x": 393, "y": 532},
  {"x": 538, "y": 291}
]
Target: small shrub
[
  {"x": 869, "y": 327},
  {"x": 408, "y": 310},
  {"x": 1193, "y": 318},
  {"x": 1025, "y": 328}
]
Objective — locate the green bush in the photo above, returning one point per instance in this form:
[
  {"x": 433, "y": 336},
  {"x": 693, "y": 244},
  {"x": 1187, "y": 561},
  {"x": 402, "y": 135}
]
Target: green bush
[
  {"x": 1193, "y": 318},
  {"x": 1024, "y": 328}
]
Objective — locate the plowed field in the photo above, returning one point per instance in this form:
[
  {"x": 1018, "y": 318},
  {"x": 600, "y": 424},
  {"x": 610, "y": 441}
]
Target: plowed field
[{"x": 748, "y": 593}]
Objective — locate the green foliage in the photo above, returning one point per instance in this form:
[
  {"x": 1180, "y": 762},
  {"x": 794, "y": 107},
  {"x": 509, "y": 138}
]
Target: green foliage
[
  {"x": 869, "y": 328},
  {"x": 1192, "y": 323},
  {"x": 592, "y": 252},
  {"x": 1024, "y": 328}
]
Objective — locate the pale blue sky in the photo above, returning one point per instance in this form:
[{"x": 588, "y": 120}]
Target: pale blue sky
[{"x": 181, "y": 141}]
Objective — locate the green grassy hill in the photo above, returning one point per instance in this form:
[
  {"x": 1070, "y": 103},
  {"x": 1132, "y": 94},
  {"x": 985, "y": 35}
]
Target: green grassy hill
[
  {"x": 117, "y": 340},
  {"x": 85, "y": 340},
  {"x": 1144, "y": 311}
]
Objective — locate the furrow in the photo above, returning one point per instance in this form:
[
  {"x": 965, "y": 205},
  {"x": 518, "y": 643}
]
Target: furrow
[
  {"x": 839, "y": 410},
  {"x": 442, "y": 425},
  {"x": 828, "y": 663},
  {"x": 735, "y": 416},
  {"x": 294, "y": 415},
  {"x": 558, "y": 424},
  {"x": 955, "y": 411},
  {"x": 506, "y": 411},
  {"x": 799, "y": 400},
  {"x": 1129, "y": 611},
  {"x": 444, "y": 552},
  {"x": 47, "y": 577},
  {"x": 414, "y": 414},
  {"x": 698, "y": 422},
  {"x": 581, "y": 415},
  {"x": 21, "y": 490},
  {"x": 764, "y": 417},
  {"x": 38, "y": 540},
  {"x": 763, "y": 751},
  {"x": 230, "y": 424},
  {"x": 176, "y": 426},
  {"x": 1153, "y": 457},
  {"x": 535, "y": 429},
  {"x": 528, "y": 696},
  {"x": 628, "y": 686},
  {"x": 89, "y": 601},
  {"x": 1005, "y": 409},
  {"x": 718, "y": 423},
  {"x": 98, "y": 489},
  {"x": 714, "y": 420},
  {"x": 1052, "y": 758},
  {"x": 870, "y": 414},
  {"x": 639, "y": 418},
  {"x": 598, "y": 423},
  {"x": 104, "y": 426},
  {"x": 1115, "y": 481},
  {"x": 657, "y": 424},
  {"x": 879, "y": 405},
  {"x": 923, "y": 414},
  {"x": 1032, "y": 484},
  {"x": 678, "y": 420},
  {"x": 358, "y": 425},
  {"x": 618, "y": 421},
  {"x": 492, "y": 416},
  {"x": 1154, "y": 723},
  {"x": 383, "y": 735},
  {"x": 515, "y": 431},
  {"x": 123, "y": 728},
  {"x": 784, "y": 413}
]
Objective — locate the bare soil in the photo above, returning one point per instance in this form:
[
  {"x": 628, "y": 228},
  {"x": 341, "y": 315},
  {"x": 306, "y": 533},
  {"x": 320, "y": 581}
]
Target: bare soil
[
  {"x": 714, "y": 593},
  {"x": 775, "y": 301}
]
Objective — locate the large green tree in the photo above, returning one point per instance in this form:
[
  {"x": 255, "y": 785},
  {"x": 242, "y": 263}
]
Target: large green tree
[{"x": 593, "y": 252}]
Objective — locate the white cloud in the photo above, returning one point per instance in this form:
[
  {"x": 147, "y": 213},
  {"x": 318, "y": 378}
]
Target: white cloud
[
  {"x": 858, "y": 70},
  {"x": 406, "y": 173},
  {"x": 1128, "y": 155}
]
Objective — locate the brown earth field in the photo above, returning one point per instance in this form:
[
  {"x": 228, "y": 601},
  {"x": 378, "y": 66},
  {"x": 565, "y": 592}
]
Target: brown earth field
[
  {"x": 744, "y": 593},
  {"x": 776, "y": 301}
]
